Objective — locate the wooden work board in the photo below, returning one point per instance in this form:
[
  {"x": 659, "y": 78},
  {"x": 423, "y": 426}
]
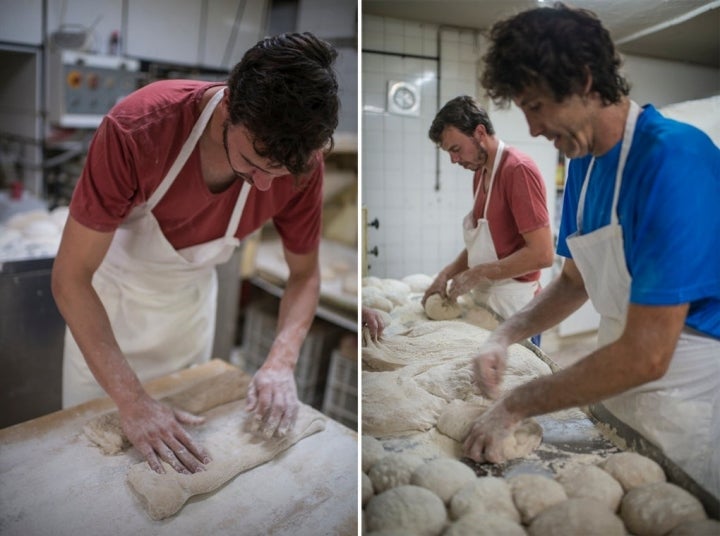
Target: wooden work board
[{"x": 54, "y": 481}]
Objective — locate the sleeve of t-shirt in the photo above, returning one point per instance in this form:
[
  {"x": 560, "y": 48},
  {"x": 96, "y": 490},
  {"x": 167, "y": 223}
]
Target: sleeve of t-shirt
[
  {"x": 528, "y": 199},
  {"x": 107, "y": 188},
  {"x": 300, "y": 222},
  {"x": 673, "y": 254}
]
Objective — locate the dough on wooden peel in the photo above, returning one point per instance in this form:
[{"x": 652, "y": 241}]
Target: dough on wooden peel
[
  {"x": 574, "y": 517},
  {"x": 439, "y": 308},
  {"x": 484, "y": 524},
  {"x": 443, "y": 476},
  {"x": 457, "y": 418},
  {"x": 591, "y": 482},
  {"x": 233, "y": 451},
  {"x": 406, "y": 508},
  {"x": 632, "y": 469},
  {"x": 534, "y": 493},
  {"x": 105, "y": 431},
  {"x": 658, "y": 508}
]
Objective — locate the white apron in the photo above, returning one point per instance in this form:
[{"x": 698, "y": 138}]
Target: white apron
[
  {"x": 503, "y": 296},
  {"x": 680, "y": 413},
  {"x": 161, "y": 301}
]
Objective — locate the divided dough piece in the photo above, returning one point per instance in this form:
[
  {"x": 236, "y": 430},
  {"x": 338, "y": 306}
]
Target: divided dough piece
[
  {"x": 577, "y": 516},
  {"x": 443, "y": 476},
  {"x": 534, "y": 493},
  {"x": 486, "y": 494},
  {"x": 412, "y": 508},
  {"x": 393, "y": 470},
  {"x": 659, "y": 508},
  {"x": 458, "y": 417},
  {"x": 591, "y": 482},
  {"x": 632, "y": 469},
  {"x": 439, "y": 308}
]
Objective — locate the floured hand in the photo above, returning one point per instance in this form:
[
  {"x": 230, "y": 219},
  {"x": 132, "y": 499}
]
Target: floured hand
[
  {"x": 484, "y": 442},
  {"x": 464, "y": 282},
  {"x": 438, "y": 286},
  {"x": 156, "y": 431},
  {"x": 489, "y": 368},
  {"x": 272, "y": 401}
]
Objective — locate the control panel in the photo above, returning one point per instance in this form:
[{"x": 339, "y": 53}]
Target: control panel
[{"x": 83, "y": 87}]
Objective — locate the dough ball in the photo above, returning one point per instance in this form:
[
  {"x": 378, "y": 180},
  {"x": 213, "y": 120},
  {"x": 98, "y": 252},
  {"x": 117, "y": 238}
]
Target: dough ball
[
  {"x": 367, "y": 489},
  {"x": 534, "y": 493},
  {"x": 372, "y": 281},
  {"x": 418, "y": 282},
  {"x": 375, "y": 298},
  {"x": 458, "y": 417},
  {"x": 443, "y": 476},
  {"x": 393, "y": 470},
  {"x": 395, "y": 291},
  {"x": 658, "y": 508},
  {"x": 484, "y": 524},
  {"x": 439, "y": 308},
  {"x": 706, "y": 527},
  {"x": 574, "y": 517},
  {"x": 487, "y": 494},
  {"x": 410, "y": 508},
  {"x": 372, "y": 452},
  {"x": 632, "y": 469},
  {"x": 591, "y": 482}
]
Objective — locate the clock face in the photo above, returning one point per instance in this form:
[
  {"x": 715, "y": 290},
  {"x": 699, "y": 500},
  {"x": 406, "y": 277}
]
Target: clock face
[{"x": 403, "y": 98}]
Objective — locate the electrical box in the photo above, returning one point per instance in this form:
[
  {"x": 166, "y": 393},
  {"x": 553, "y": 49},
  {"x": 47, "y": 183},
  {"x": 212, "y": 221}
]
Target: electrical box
[{"x": 83, "y": 87}]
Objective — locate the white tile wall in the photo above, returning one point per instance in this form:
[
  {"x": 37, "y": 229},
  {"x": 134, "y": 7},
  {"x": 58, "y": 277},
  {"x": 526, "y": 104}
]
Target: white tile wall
[{"x": 420, "y": 225}]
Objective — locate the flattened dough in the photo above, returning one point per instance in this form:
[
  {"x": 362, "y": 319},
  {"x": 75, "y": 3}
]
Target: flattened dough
[
  {"x": 457, "y": 418},
  {"x": 105, "y": 431},
  {"x": 233, "y": 452}
]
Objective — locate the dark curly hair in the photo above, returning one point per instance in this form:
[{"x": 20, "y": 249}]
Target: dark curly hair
[
  {"x": 555, "y": 47},
  {"x": 285, "y": 92},
  {"x": 463, "y": 113}
]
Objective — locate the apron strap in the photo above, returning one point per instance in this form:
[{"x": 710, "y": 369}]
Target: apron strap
[
  {"x": 496, "y": 165},
  {"x": 238, "y": 210},
  {"x": 186, "y": 150}
]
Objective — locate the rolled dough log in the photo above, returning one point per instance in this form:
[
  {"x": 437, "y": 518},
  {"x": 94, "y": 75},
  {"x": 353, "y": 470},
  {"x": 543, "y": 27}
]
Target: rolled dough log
[
  {"x": 457, "y": 418},
  {"x": 105, "y": 431},
  {"x": 439, "y": 308},
  {"x": 233, "y": 452}
]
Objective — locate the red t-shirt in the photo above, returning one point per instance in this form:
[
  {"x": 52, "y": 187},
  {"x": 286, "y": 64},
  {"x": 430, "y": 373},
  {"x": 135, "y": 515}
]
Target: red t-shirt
[
  {"x": 517, "y": 204},
  {"x": 135, "y": 146}
]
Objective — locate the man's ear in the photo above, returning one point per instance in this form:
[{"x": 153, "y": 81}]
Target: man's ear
[{"x": 480, "y": 132}]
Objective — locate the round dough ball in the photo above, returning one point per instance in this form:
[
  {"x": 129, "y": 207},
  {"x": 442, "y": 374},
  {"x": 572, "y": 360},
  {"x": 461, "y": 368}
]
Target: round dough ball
[
  {"x": 439, "y": 308},
  {"x": 487, "y": 494},
  {"x": 393, "y": 470},
  {"x": 367, "y": 488},
  {"x": 418, "y": 282},
  {"x": 591, "y": 482},
  {"x": 444, "y": 477},
  {"x": 484, "y": 524},
  {"x": 632, "y": 469},
  {"x": 574, "y": 517},
  {"x": 706, "y": 527},
  {"x": 658, "y": 508},
  {"x": 533, "y": 493},
  {"x": 411, "y": 508},
  {"x": 372, "y": 452}
]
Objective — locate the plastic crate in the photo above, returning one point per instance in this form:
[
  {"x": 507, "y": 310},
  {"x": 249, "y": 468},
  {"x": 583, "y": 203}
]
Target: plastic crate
[
  {"x": 312, "y": 364},
  {"x": 341, "y": 391}
]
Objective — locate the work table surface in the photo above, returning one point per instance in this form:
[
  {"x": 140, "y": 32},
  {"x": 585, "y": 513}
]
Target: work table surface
[{"x": 54, "y": 481}]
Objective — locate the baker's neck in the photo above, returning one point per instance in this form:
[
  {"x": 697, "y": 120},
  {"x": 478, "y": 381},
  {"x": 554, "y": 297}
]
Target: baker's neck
[{"x": 609, "y": 126}]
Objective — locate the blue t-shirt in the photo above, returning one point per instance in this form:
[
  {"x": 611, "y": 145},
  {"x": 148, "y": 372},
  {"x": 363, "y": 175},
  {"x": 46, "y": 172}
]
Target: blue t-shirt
[{"x": 669, "y": 210}]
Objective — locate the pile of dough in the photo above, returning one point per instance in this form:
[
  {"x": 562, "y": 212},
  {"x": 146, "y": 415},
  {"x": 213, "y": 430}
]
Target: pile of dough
[
  {"x": 658, "y": 508},
  {"x": 105, "y": 431},
  {"x": 439, "y": 308},
  {"x": 233, "y": 452},
  {"x": 411, "y": 508}
]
